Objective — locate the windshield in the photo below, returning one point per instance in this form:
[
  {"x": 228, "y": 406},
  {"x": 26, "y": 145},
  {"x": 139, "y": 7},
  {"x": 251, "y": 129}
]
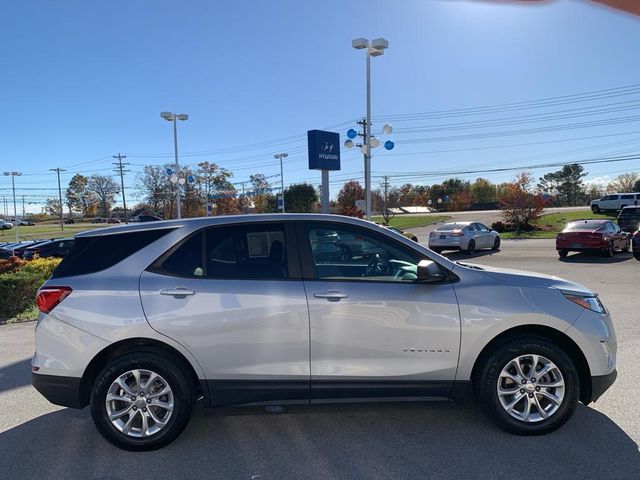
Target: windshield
[
  {"x": 584, "y": 225},
  {"x": 450, "y": 226}
]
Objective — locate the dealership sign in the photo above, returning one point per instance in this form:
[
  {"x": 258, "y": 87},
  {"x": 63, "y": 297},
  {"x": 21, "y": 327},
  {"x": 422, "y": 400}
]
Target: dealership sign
[{"x": 324, "y": 150}]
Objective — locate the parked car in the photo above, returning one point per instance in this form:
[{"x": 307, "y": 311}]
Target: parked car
[
  {"x": 113, "y": 220},
  {"x": 465, "y": 236},
  {"x": 19, "y": 250},
  {"x": 5, "y": 254},
  {"x": 98, "y": 220},
  {"x": 70, "y": 221},
  {"x": 4, "y": 225},
  {"x": 139, "y": 321},
  {"x": 409, "y": 235},
  {"x": 629, "y": 219},
  {"x": 615, "y": 201},
  {"x": 57, "y": 248},
  {"x": 22, "y": 223},
  {"x": 635, "y": 245},
  {"x": 597, "y": 235}
]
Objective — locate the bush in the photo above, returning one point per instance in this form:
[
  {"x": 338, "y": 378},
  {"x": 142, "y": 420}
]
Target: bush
[
  {"x": 18, "y": 287},
  {"x": 499, "y": 227}
]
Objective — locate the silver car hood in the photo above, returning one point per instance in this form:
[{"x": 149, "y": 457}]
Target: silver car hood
[{"x": 529, "y": 279}]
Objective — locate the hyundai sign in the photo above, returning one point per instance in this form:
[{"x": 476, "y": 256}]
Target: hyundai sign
[{"x": 324, "y": 150}]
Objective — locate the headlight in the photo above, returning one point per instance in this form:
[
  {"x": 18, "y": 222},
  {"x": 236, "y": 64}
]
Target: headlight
[{"x": 590, "y": 302}]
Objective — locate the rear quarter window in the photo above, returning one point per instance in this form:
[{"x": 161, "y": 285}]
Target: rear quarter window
[{"x": 97, "y": 253}]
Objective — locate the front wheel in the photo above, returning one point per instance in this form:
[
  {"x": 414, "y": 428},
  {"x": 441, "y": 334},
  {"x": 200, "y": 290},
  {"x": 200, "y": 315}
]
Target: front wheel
[
  {"x": 496, "y": 244},
  {"x": 595, "y": 208},
  {"x": 528, "y": 386},
  {"x": 563, "y": 253},
  {"x": 142, "y": 401},
  {"x": 609, "y": 251}
]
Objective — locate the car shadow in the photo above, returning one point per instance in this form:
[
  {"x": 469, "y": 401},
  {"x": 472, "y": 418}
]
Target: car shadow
[
  {"x": 13, "y": 375},
  {"x": 589, "y": 257},
  {"x": 458, "y": 255},
  {"x": 425, "y": 440}
]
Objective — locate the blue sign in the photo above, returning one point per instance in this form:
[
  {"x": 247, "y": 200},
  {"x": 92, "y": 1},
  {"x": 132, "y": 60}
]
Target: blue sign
[
  {"x": 351, "y": 133},
  {"x": 389, "y": 145},
  {"x": 169, "y": 171},
  {"x": 324, "y": 150}
]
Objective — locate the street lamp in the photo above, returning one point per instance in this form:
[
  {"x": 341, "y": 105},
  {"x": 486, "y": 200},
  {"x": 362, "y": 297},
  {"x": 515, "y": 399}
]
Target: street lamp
[
  {"x": 13, "y": 176},
  {"x": 375, "y": 48},
  {"x": 173, "y": 117},
  {"x": 280, "y": 156}
]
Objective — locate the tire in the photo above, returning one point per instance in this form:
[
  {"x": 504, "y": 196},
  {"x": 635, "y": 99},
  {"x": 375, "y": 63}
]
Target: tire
[
  {"x": 496, "y": 244},
  {"x": 181, "y": 397},
  {"x": 471, "y": 247},
  {"x": 636, "y": 255},
  {"x": 563, "y": 253},
  {"x": 609, "y": 251},
  {"x": 490, "y": 377},
  {"x": 595, "y": 208},
  {"x": 436, "y": 249}
]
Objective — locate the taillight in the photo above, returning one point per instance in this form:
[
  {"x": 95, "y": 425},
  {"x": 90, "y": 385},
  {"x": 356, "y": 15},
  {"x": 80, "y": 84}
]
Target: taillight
[
  {"x": 49, "y": 297},
  {"x": 456, "y": 233}
]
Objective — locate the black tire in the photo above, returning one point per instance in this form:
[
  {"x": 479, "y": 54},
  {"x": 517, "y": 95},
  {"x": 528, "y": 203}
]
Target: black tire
[
  {"x": 595, "y": 208},
  {"x": 471, "y": 247},
  {"x": 563, "y": 253},
  {"x": 436, "y": 249},
  {"x": 609, "y": 251},
  {"x": 486, "y": 384},
  {"x": 636, "y": 255},
  {"x": 183, "y": 399},
  {"x": 496, "y": 244}
]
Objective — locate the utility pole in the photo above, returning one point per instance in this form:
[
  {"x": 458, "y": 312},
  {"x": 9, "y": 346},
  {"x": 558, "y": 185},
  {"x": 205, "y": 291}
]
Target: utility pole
[
  {"x": 244, "y": 202},
  {"x": 120, "y": 169},
  {"x": 58, "y": 170},
  {"x": 23, "y": 214}
]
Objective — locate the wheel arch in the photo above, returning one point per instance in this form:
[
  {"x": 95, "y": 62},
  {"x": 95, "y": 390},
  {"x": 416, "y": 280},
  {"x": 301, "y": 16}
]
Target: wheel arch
[
  {"x": 129, "y": 345},
  {"x": 549, "y": 334}
]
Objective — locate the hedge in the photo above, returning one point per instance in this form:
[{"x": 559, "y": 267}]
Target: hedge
[{"x": 18, "y": 287}]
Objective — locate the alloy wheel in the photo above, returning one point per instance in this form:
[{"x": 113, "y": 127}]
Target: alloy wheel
[
  {"x": 139, "y": 403},
  {"x": 531, "y": 388}
]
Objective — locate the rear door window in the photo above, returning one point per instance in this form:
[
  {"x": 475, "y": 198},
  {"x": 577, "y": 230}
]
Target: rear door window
[{"x": 627, "y": 197}]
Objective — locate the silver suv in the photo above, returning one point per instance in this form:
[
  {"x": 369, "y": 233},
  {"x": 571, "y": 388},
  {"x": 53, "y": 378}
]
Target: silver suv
[{"x": 141, "y": 321}]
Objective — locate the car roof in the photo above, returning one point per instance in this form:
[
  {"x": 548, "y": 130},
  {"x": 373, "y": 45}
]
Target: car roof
[
  {"x": 222, "y": 220},
  {"x": 47, "y": 242}
]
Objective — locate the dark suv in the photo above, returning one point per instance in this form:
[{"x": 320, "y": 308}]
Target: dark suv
[
  {"x": 629, "y": 219},
  {"x": 53, "y": 248}
]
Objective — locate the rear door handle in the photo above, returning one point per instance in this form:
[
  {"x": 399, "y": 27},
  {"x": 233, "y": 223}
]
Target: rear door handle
[
  {"x": 177, "y": 292},
  {"x": 331, "y": 295}
]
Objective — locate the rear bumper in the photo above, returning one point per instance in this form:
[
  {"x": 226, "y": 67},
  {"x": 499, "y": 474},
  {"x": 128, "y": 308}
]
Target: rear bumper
[
  {"x": 63, "y": 391},
  {"x": 601, "y": 383}
]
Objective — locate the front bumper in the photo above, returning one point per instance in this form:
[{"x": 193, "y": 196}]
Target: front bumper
[
  {"x": 63, "y": 391},
  {"x": 601, "y": 383}
]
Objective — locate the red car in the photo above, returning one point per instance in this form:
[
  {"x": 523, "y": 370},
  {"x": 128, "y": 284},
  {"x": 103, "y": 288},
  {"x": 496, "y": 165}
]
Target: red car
[{"x": 590, "y": 235}]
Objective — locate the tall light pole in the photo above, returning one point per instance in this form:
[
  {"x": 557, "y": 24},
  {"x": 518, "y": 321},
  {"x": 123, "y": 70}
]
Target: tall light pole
[
  {"x": 13, "y": 176},
  {"x": 375, "y": 48},
  {"x": 173, "y": 117},
  {"x": 281, "y": 156}
]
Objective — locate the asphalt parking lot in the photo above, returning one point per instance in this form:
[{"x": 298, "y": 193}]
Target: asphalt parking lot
[{"x": 399, "y": 441}]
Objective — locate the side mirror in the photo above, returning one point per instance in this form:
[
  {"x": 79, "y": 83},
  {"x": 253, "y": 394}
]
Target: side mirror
[{"x": 429, "y": 271}]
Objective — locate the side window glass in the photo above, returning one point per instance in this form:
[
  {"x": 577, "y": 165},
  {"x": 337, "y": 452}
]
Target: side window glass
[
  {"x": 255, "y": 252},
  {"x": 186, "y": 260},
  {"x": 345, "y": 253}
]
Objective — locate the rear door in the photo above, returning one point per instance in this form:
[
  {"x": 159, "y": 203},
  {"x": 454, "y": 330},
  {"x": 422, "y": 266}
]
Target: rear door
[
  {"x": 233, "y": 296},
  {"x": 375, "y": 330}
]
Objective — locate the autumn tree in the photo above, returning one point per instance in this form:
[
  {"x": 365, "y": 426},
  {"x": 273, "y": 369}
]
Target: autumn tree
[
  {"x": 78, "y": 196},
  {"x": 52, "y": 207},
  {"x": 520, "y": 207},
  {"x": 349, "y": 193},
  {"x": 625, "y": 182},
  {"x": 216, "y": 187},
  {"x": 152, "y": 183},
  {"x": 105, "y": 190},
  {"x": 263, "y": 199}
]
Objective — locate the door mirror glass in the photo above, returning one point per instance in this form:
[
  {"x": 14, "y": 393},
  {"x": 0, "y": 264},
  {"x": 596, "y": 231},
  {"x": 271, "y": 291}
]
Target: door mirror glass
[{"x": 429, "y": 271}]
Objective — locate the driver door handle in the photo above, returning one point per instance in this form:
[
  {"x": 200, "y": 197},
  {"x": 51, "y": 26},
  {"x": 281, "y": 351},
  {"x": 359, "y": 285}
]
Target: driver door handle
[
  {"x": 331, "y": 295},
  {"x": 176, "y": 292}
]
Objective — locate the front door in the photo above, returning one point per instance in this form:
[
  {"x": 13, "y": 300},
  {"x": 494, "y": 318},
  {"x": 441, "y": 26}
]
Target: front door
[
  {"x": 232, "y": 295},
  {"x": 375, "y": 330}
]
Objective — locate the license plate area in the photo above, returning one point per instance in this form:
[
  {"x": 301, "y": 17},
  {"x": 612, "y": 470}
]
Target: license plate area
[{"x": 442, "y": 237}]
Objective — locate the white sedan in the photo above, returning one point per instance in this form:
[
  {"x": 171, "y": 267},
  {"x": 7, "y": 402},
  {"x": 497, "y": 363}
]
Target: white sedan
[
  {"x": 467, "y": 236},
  {"x": 5, "y": 225}
]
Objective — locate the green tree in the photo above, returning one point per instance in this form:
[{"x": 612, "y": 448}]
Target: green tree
[
  {"x": 78, "y": 196},
  {"x": 483, "y": 191},
  {"x": 300, "y": 197},
  {"x": 153, "y": 188},
  {"x": 636, "y": 186},
  {"x": 565, "y": 183}
]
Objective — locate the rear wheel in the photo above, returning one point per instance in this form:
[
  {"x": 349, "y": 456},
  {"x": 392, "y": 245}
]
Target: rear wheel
[
  {"x": 436, "y": 249},
  {"x": 471, "y": 247},
  {"x": 142, "y": 401},
  {"x": 528, "y": 386},
  {"x": 496, "y": 244},
  {"x": 563, "y": 253},
  {"x": 595, "y": 208},
  {"x": 625, "y": 248}
]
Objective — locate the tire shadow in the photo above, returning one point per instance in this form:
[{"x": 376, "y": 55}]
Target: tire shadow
[{"x": 426, "y": 440}]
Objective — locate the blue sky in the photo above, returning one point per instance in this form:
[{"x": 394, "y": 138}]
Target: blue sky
[{"x": 82, "y": 81}]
